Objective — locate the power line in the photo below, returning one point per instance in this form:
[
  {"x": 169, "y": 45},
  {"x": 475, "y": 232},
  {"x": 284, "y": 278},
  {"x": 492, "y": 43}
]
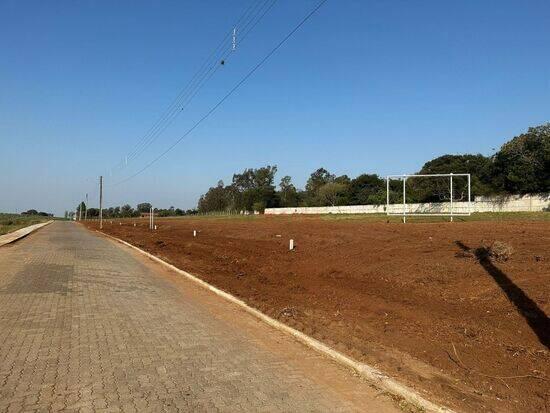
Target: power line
[
  {"x": 205, "y": 77},
  {"x": 183, "y": 92},
  {"x": 222, "y": 100},
  {"x": 250, "y": 16}
]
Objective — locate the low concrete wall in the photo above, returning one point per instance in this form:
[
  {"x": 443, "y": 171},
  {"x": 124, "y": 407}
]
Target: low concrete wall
[{"x": 511, "y": 203}]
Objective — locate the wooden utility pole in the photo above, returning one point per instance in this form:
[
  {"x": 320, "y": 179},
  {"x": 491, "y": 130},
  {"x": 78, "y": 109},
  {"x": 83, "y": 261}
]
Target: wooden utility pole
[
  {"x": 100, "y": 202},
  {"x": 86, "y": 211}
]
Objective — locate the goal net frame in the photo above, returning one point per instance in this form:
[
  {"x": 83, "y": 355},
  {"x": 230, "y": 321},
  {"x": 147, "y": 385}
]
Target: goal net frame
[{"x": 404, "y": 213}]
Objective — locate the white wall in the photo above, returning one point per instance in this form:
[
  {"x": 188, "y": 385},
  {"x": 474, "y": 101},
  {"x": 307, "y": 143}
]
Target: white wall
[{"x": 512, "y": 203}]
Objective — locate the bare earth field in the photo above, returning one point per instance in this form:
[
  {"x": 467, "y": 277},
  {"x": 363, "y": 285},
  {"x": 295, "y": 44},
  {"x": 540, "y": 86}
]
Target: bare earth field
[{"x": 414, "y": 300}]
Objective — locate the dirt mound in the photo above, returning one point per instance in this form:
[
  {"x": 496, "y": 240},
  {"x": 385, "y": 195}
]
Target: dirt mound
[{"x": 500, "y": 251}]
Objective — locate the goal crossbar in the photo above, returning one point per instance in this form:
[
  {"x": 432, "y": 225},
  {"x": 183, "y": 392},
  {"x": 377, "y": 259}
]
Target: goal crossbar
[{"x": 404, "y": 213}]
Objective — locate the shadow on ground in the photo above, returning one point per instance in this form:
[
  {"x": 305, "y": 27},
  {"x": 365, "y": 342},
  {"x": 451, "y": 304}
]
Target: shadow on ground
[{"x": 529, "y": 310}]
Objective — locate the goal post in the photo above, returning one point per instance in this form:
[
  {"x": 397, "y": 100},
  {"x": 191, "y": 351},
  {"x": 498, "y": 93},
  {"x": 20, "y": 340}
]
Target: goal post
[{"x": 433, "y": 208}]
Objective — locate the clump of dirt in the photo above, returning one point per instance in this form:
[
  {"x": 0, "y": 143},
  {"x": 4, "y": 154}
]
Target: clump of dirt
[
  {"x": 288, "y": 312},
  {"x": 500, "y": 251},
  {"x": 160, "y": 243}
]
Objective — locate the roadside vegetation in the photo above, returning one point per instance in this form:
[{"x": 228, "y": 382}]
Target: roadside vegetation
[
  {"x": 127, "y": 211},
  {"x": 13, "y": 222}
]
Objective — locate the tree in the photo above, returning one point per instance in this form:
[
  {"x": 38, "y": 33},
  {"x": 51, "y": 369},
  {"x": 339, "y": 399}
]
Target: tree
[
  {"x": 30, "y": 212},
  {"x": 332, "y": 193},
  {"x": 288, "y": 195},
  {"x": 253, "y": 190},
  {"x": 144, "y": 207},
  {"x": 80, "y": 207},
  {"x": 93, "y": 212},
  {"x": 438, "y": 189},
  {"x": 367, "y": 189},
  {"x": 317, "y": 179},
  {"x": 126, "y": 211},
  {"x": 216, "y": 199},
  {"x": 523, "y": 164}
]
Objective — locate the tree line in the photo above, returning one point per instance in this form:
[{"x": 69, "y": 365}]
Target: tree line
[
  {"x": 521, "y": 166},
  {"x": 34, "y": 212},
  {"x": 127, "y": 211}
]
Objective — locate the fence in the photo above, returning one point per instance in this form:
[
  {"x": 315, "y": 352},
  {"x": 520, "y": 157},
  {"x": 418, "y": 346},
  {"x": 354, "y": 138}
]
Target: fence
[{"x": 509, "y": 203}]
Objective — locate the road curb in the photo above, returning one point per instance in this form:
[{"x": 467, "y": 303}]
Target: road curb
[
  {"x": 371, "y": 374},
  {"x": 21, "y": 233}
]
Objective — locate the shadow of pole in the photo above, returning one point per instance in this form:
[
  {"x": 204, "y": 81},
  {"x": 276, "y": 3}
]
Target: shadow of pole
[{"x": 529, "y": 310}]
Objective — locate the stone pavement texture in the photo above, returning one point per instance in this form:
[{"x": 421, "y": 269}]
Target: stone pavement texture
[{"x": 89, "y": 325}]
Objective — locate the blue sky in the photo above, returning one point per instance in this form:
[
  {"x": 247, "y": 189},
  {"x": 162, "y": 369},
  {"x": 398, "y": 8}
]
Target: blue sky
[{"x": 363, "y": 86}]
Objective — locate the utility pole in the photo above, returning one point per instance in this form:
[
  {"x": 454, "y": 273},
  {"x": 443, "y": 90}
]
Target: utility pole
[
  {"x": 80, "y": 211},
  {"x": 86, "y": 212},
  {"x": 100, "y": 202}
]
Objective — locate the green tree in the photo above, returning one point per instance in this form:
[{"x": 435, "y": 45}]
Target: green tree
[
  {"x": 315, "y": 182},
  {"x": 438, "y": 189},
  {"x": 317, "y": 179},
  {"x": 216, "y": 199},
  {"x": 367, "y": 189},
  {"x": 93, "y": 212},
  {"x": 144, "y": 207},
  {"x": 288, "y": 194},
  {"x": 254, "y": 189},
  {"x": 332, "y": 193},
  {"x": 523, "y": 164},
  {"x": 126, "y": 211}
]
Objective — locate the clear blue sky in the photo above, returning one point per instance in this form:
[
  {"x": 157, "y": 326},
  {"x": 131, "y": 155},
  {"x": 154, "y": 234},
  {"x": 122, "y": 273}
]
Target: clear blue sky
[{"x": 364, "y": 86}]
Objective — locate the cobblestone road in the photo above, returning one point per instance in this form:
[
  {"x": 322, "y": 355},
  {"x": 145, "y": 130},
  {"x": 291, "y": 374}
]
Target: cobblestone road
[{"x": 87, "y": 325}]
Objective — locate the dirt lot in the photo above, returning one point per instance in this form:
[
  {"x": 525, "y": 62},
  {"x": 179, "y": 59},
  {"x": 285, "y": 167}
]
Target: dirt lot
[{"x": 424, "y": 302}]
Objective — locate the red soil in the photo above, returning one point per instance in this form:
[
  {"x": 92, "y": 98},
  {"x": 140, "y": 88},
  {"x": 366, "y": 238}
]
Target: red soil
[{"x": 468, "y": 331}]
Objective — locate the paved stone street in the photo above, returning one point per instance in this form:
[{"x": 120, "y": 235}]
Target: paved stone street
[{"x": 88, "y": 325}]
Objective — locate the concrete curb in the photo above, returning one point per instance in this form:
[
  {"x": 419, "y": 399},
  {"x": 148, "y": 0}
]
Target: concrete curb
[
  {"x": 21, "y": 233},
  {"x": 371, "y": 374}
]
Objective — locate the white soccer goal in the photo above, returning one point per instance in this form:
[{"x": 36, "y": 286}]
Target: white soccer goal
[{"x": 432, "y": 209}]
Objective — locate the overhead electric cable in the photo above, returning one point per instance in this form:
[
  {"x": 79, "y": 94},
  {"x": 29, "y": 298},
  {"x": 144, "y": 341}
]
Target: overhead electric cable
[
  {"x": 249, "y": 17},
  {"x": 226, "y": 96},
  {"x": 205, "y": 78}
]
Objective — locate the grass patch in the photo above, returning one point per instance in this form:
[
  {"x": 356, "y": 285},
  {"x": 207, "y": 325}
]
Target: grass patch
[{"x": 13, "y": 222}]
